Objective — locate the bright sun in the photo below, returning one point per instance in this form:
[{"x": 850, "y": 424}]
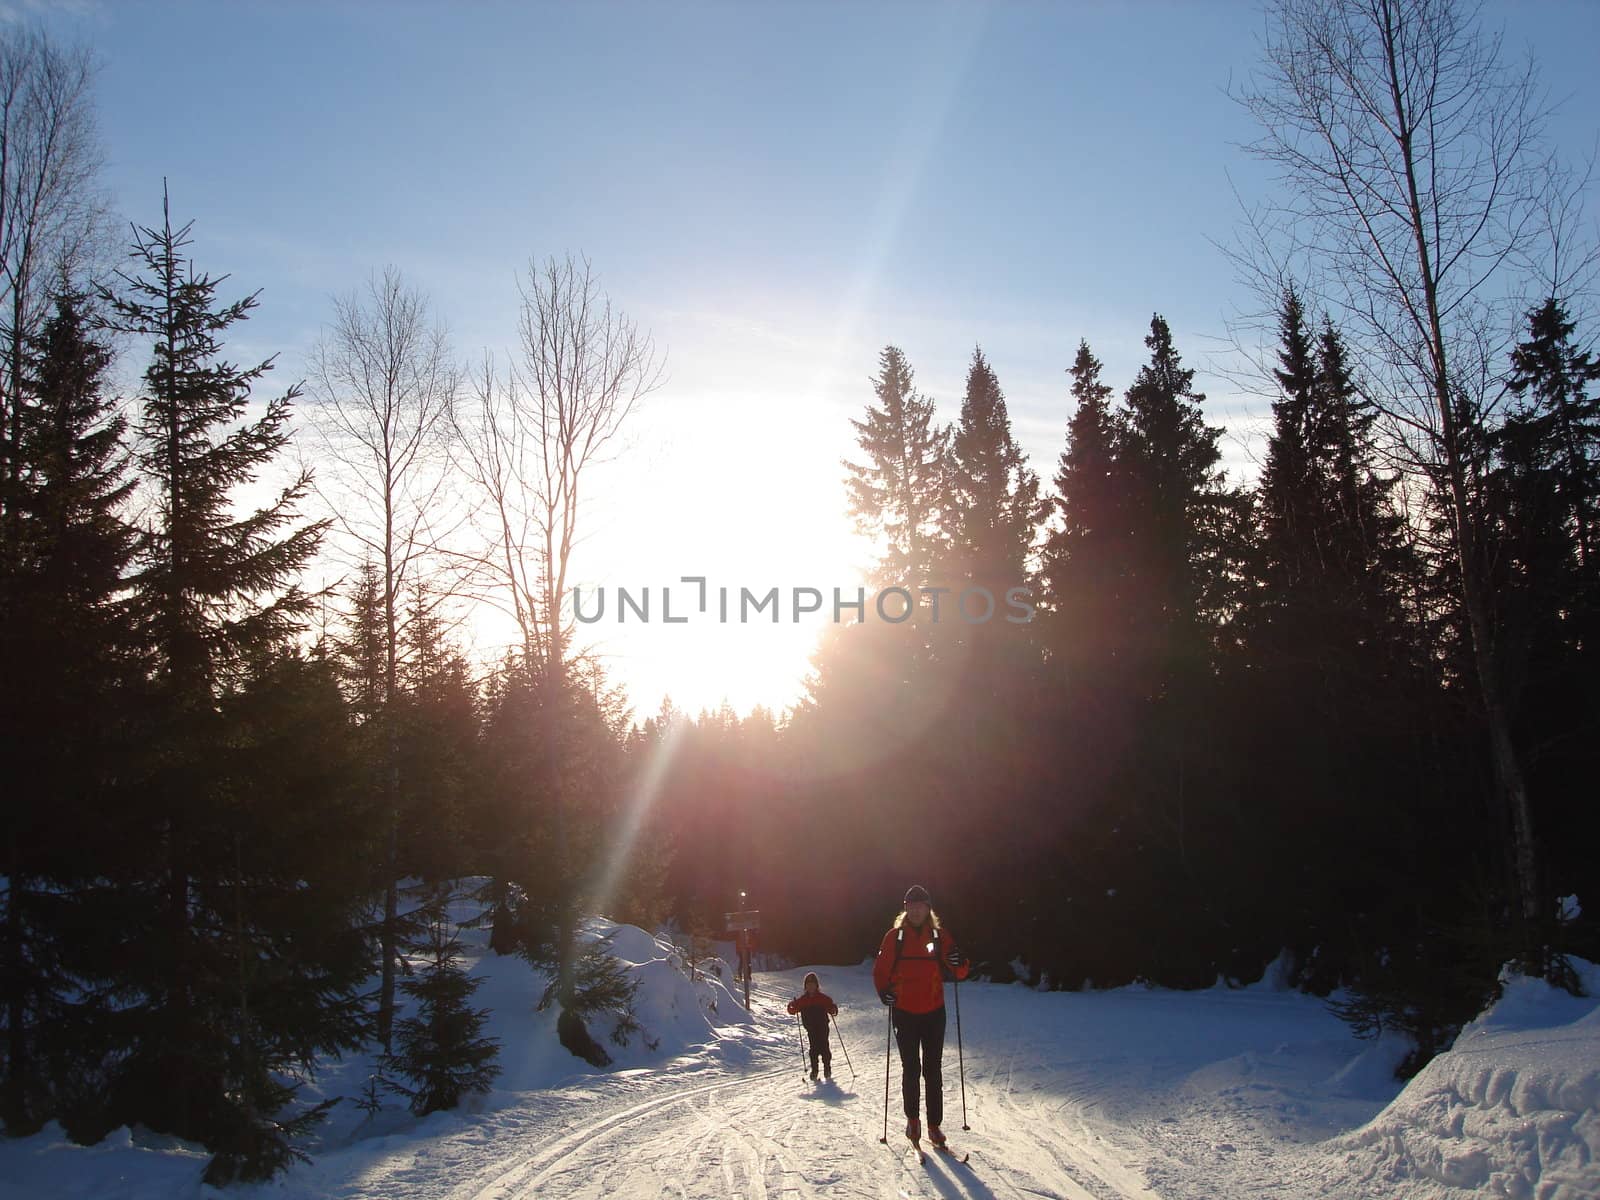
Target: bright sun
[{"x": 754, "y": 503}]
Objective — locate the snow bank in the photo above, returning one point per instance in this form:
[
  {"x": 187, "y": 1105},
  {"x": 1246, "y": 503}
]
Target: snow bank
[
  {"x": 679, "y": 1021},
  {"x": 674, "y": 1014},
  {"x": 1135, "y": 1092},
  {"x": 1512, "y": 1110},
  {"x": 50, "y": 1164}
]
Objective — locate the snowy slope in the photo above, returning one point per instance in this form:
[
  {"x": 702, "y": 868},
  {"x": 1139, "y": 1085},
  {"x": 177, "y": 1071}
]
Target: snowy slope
[
  {"x": 537, "y": 1074},
  {"x": 1128, "y": 1093},
  {"x": 1512, "y": 1110}
]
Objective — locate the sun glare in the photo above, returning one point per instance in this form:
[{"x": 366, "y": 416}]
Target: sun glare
[{"x": 752, "y": 502}]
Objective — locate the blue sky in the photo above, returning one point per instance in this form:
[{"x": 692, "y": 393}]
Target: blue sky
[{"x": 774, "y": 190}]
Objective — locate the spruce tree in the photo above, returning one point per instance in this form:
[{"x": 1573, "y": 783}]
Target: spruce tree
[
  {"x": 360, "y": 652},
  {"x": 1293, "y": 493},
  {"x": 1181, "y": 525},
  {"x": 1175, "y": 495},
  {"x": 220, "y": 586},
  {"x": 221, "y": 593},
  {"x": 979, "y": 710},
  {"x": 1333, "y": 547},
  {"x": 1089, "y": 715},
  {"x": 899, "y": 493},
  {"x": 1083, "y": 556},
  {"x": 994, "y": 495},
  {"x": 70, "y": 653},
  {"x": 290, "y": 902},
  {"x": 1327, "y": 664},
  {"x": 1541, "y": 491},
  {"x": 508, "y": 827},
  {"x": 438, "y": 751},
  {"x": 899, "y": 499},
  {"x": 1556, "y": 421},
  {"x": 546, "y": 879},
  {"x": 360, "y": 663},
  {"x": 441, "y": 1049}
]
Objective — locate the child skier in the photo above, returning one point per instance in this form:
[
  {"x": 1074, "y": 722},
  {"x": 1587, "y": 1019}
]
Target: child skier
[{"x": 815, "y": 1007}]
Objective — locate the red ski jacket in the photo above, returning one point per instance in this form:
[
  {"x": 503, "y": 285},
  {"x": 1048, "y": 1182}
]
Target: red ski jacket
[
  {"x": 814, "y": 1008},
  {"x": 911, "y": 963}
]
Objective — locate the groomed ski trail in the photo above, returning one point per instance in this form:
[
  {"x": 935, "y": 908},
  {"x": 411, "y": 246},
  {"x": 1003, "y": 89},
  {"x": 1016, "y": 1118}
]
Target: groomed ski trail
[{"x": 771, "y": 1134}]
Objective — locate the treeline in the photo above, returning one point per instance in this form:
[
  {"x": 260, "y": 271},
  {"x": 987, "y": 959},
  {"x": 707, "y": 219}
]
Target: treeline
[
  {"x": 236, "y": 807},
  {"x": 1243, "y": 721},
  {"x": 1347, "y": 713},
  {"x": 224, "y": 834}
]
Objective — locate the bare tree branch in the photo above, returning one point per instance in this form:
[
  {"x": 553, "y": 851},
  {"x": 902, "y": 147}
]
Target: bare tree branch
[
  {"x": 536, "y": 429},
  {"x": 1421, "y": 197},
  {"x": 384, "y": 390},
  {"x": 52, "y": 215}
]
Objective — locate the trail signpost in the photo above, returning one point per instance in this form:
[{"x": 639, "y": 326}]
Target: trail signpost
[{"x": 743, "y": 926}]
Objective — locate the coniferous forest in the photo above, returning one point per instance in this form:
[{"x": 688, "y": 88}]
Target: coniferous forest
[{"x": 1345, "y": 712}]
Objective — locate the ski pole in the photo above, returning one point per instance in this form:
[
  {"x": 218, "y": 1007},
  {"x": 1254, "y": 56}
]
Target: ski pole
[
  {"x": 888, "y": 1042},
  {"x": 960, "y": 1059},
  {"x": 847, "y": 1061},
  {"x": 800, "y": 1041}
]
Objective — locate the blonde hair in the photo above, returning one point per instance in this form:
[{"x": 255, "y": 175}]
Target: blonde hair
[{"x": 933, "y": 920}]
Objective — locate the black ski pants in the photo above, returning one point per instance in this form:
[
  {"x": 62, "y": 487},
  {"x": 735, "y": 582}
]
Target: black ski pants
[
  {"x": 817, "y": 1036},
  {"x": 920, "y": 1037}
]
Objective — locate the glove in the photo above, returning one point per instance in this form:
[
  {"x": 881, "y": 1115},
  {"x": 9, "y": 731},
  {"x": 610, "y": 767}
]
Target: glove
[
  {"x": 954, "y": 957},
  {"x": 888, "y": 999}
]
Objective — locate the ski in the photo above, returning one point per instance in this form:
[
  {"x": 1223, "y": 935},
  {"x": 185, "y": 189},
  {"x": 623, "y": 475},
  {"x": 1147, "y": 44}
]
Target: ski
[
  {"x": 922, "y": 1156},
  {"x": 951, "y": 1154}
]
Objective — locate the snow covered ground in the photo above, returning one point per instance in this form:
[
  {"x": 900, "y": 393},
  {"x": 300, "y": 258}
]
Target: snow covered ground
[{"x": 1125, "y": 1093}]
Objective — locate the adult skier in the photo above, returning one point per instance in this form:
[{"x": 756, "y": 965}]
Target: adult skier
[{"x": 909, "y": 976}]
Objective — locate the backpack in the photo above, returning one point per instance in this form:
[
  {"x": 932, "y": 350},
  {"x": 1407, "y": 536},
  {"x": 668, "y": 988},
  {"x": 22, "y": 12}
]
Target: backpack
[{"x": 899, "y": 940}]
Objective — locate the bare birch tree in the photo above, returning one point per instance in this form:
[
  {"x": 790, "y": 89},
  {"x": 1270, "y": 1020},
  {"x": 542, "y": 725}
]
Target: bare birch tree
[
  {"x": 1419, "y": 190},
  {"x": 531, "y": 445},
  {"x": 383, "y": 389},
  {"x": 51, "y": 211},
  {"x": 584, "y": 368},
  {"x": 533, "y": 435},
  {"x": 495, "y": 452}
]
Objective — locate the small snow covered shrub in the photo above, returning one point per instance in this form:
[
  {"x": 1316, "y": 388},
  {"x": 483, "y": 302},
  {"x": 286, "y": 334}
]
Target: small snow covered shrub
[
  {"x": 257, "y": 1147},
  {"x": 370, "y": 1101},
  {"x": 698, "y": 953},
  {"x": 441, "y": 1049},
  {"x": 601, "y": 986},
  {"x": 1428, "y": 985}
]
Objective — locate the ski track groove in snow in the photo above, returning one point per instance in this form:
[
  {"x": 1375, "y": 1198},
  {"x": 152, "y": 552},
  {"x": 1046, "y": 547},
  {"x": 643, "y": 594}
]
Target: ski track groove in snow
[
  {"x": 542, "y": 1164},
  {"x": 1064, "y": 1097},
  {"x": 554, "y": 1159},
  {"x": 1131, "y": 1094},
  {"x": 1073, "y": 1178},
  {"x": 767, "y": 1135},
  {"x": 662, "y": 1155},
  {"x": 762, "y": 1152}
]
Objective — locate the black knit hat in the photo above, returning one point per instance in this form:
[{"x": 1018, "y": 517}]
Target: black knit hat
[{"x": 917, "y": 892}]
